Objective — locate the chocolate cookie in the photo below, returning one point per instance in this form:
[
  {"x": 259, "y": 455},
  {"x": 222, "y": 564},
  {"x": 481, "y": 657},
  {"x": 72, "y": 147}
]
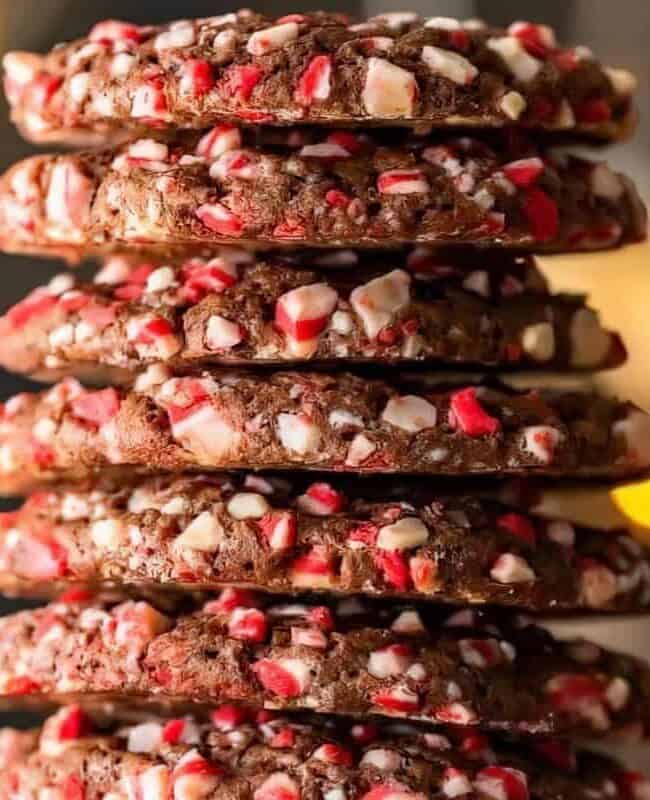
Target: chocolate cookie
[
  {"x": 446, "y": 309},
  {"x": 297, "y": 420},
  {"x": 315, "y": 68},
  {"x": 264, "y": 756},
  {"x": 346, "y": 538},
  {"x": 468, "y": 668},
  {"x": 314, "y": 188}
]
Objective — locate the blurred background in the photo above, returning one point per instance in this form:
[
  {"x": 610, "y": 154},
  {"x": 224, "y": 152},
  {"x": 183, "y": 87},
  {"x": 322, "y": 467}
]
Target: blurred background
[{"x": 619, "y": 283}]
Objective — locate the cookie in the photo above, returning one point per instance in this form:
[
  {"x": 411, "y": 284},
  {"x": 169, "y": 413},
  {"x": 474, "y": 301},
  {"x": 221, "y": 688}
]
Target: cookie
[
  {"x": 351, "y": 660},
  {"x": 393, "y": 69},
  {"x": 307, "y": 188},
  {"x": 346, "y": 538},
  {"x": 447, "y": 310},
  {"x": 299, "y": 420},
  {"x": 261, "y": 755}
]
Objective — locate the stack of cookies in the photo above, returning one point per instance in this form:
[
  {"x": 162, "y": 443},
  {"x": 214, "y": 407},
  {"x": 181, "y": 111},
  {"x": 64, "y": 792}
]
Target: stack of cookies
[{"x": 271, "y": 508}]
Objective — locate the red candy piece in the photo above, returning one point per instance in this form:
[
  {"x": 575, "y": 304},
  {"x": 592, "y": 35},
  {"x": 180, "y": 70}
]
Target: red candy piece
[
  {"x": 532, "y": 38},
  {"x": 239, "y": 81},
  {"x": 73, "y": 789},
  {"x": 570, "y": 691},
  {"x": 112, "y": 30},
  {"x": 36, "y": 304},
  {"x": 96, "y": 408},
  {"x": 502, "y": 783},
  {"x": 279, "y": 529},
  {"x": 542, "y": 214},
  {"x": 314, "y": 83},
  {"x": 39, "y": 556},
  {"x": 397, "y": 700},
  {"x": 277, "y": 679},
  {"x": 196, "y": 77},
  {"x": 74, "y": 725},
  {"x": 248, "y": 624},
  {"x": 470, "y": 416},
  {"x": 18, "y": 687},
  {"x": 220, "y": 220},
  {"x": 395, "y": 569},
  {"x": 524, "y": 172},
  {"x": 518, "y": 526},
  {"x": 593, "y": 111},
  {"x": 173, "y": 731}
]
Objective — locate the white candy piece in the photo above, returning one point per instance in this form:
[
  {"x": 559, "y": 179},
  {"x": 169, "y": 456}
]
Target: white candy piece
[
  {"x": 538, "y": 341},
  {"x": 513, "y": 104},
  {"x": 617, "y": 694},
  {"x": 624, "y": 82},
  {"x": 155, "y": 783},
  {"x": 521, "y": 64},
  {"x": 381, "y": 758},
  {"x": 443, "y": 23},
  {"x": 562, "y": 533},
  {"x": 598, "y": 586},
  {"x": 144, "y": 738},
  {"x": 389, "y": 90},
  {"x": 408, "y": 623},
  {"x": 149, "y": 150},
  {"x": 160, "y": 279},
  {"x": 108, "y": 534},
  {"x": 298, "y": 433},
  {"x": 222, "y": 334},
  {"x": 410, "y": 413},
  {"x": 274, "y": 38},
  {"x": 400, "y": 181},
  {"x": 378, "y": 301},
  {"x": 509, "y": 568},
  {"x": 455, "y": 783},
  {"x": 248, "y": 505},
  {"x": 541, "y": 441},
  {"x": 180, "y": 35},
  {"x": 360, "y": 449},
  {"x": 204, "y": 533},
  {"x": 388, "y": 662},
  {"x": 449, "y": 64},
  {"x": 404, "y": 534},
  {"x": 207, "y": 433},
  {"x": 606, "y": 183},
  {"x": 590, "y": 343}
]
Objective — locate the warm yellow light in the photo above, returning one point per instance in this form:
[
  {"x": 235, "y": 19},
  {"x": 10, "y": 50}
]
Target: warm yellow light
[{"x": 633, "y": 501}]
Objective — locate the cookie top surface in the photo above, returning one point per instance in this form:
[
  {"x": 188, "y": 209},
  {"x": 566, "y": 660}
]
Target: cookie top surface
[
  {"x": 343, "y": 537},
  {"x": 394, "y": 69},
  {"x": 447, "y": 309},
  {"x": 351, "y": 659},
  {"x": 295, "y": 188},
  {"x": 265, "y": 755},
  {"x": 331, "y": 422}
]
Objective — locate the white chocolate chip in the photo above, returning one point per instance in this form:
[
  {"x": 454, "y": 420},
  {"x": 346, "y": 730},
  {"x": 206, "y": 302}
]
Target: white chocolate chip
[
  {"x": 521, "y": 64},
  {"x": 406, "y": 533},
  {"x": 204, "y": 533},
  {"x": 410, "y": 413},
  {"x": 108, "y": 534},
  {"x": 538, "y": 341},
  {"x": 449, "y": 64},
  {"x": 378, "y": 301},
  {"x": 389, "y": 91},
  {"x": 509, "y": 568},
  {"x": 248, "y": 505},
  {"x": 298, "y": 433},
  {"x": 513, "y": 104}
]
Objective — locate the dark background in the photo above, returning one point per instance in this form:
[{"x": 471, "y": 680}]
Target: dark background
[{"x": 617, "y": 30}]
